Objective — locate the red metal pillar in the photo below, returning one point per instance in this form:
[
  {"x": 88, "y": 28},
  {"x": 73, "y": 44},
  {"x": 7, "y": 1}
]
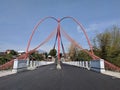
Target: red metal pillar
[{"x": 58, "y": 29}]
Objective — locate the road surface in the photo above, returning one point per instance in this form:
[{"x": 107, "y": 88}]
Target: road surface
[{"x": 49, "y": 78}]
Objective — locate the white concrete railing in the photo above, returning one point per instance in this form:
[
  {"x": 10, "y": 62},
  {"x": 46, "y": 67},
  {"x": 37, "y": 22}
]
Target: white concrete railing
[
  {"x": 84, "y": 64},
  {"x": 22, "y": 65},
  {"x": 19, "y": 65},
  {"x": 95, "y": 65},
  {"x": 39, "y": 63}
]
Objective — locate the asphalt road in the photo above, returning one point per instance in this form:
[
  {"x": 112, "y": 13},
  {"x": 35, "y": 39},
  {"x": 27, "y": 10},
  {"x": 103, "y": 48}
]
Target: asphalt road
[{"x": 49, "y": 78}]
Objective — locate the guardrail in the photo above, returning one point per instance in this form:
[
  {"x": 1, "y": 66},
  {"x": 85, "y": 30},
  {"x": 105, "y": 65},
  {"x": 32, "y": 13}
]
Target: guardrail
[
  {"x": 84, "y": 64},
  {"x": 94, "y": 65},
  {"x": 22, "y": 65}
]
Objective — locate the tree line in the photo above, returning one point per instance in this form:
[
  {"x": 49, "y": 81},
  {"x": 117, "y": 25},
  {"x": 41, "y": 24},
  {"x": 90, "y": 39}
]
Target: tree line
[
  {"x": 106, "y": 45},
  {"x": 6, "y": 57}
]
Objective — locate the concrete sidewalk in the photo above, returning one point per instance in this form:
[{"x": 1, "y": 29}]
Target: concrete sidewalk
[
  {"x": 9, "y": 72},
  {"x": 6, "y": 72},
  {"x": 112, "y": 73}
]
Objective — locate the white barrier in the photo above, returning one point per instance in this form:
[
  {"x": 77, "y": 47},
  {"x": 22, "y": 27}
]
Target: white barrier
[
  {"x": 39, "y": 63},
  {"x": 22, "y": 65},
  {"x": 97, "y": 65},
  {"x": 84, "y": 64},
  {"x": 19, "y": 65}
]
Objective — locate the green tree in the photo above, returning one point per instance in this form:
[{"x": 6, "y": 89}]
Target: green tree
[
  {"x": 36, "y": 56},
  {"x": 53, "y": 52},
  {"x": 5, "y": 58},
  {"x": 46, "y": 55},
  {"x": 104, "y": 43},
  {"x": 83, "y": 56},
  {"x": 72, "y": 51},
  {"x": 76, "y": 54},
  {"x": 107, "y": 44},
  {"x": 13, "y": 52}
]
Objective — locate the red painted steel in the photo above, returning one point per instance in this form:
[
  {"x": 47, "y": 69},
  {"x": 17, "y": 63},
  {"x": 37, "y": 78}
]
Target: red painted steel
[
  {"x": 70, "y": 39},
  {"x": 58, "y": 29},
  {"x": 35, "y": 28},
  {"x": 10, "y": 63},
  {"x": 58, "y": 21},
  {"x": 108, "y": 65},
  {"x": 77, "y": 45},
  {"x": 45, "y": 41},
  {"x": 82, "y": 28}
]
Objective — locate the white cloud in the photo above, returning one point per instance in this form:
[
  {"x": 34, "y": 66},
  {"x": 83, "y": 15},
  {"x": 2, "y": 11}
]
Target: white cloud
[
  {"x": 99, "y": 27},
  {"x": 95, "y": 28}
]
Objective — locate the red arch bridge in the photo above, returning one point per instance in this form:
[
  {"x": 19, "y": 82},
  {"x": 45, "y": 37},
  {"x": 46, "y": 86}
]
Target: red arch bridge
[{"x": 95, "y": 64}]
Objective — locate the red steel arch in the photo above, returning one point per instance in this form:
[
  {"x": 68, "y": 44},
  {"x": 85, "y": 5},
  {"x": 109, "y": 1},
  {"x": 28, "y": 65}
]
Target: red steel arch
[
  {"x": 9, "y": 64},
  {"x": 83, "y": 29},
  {"x": 58, "y": 21},
  {"x": 35, "y": 28}
]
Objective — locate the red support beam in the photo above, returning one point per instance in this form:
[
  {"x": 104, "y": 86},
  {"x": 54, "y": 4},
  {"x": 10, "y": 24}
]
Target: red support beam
[
  {"x": 45, "y": 41},
  {"x": 77, "y": 45},
  {"x": 34, "y": 29},
  {"x": 58, "y": 29},
  {"x": 10, "y": 63},
  {"x": 82, "y": 28}
]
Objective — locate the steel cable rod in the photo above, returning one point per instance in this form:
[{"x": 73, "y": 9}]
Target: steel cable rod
[
  {"x": 45, "y": 41},
  {"x": 77, "y": 45},
  {"x": 35, "y": 28},
  {"x": 82, "y": 28}
]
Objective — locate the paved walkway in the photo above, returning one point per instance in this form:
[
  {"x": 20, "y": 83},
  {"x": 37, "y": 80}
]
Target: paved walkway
[
  {"x": 49, "y": 78},
  {"x": 111, "y": 73},
  {"x": 6, "y": 72}
]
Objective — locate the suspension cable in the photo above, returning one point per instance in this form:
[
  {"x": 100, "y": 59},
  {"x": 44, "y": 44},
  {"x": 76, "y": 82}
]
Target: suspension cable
[
  {"x": 77, "y": 45},
  {"x": 45, "y": 41}
]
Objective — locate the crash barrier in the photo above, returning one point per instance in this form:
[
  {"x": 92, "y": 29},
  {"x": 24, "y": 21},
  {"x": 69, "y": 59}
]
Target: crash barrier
[
  {"x": 94, "y": 65},
  {"x": 19, "y": 65},
  {"x": 22, "y": 65},
  {"x": 39, "y": 63},
  {"x": 84, "y": 64},
  {"x": 97, "y": 65}
]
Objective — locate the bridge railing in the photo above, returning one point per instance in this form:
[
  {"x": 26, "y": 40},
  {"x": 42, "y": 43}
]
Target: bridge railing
[
  {"x": 84, "y": 64},
  {"x": 94, "y": 65},
  {"x": 22, "y": 65},
  {"x": 39, "y": 63}
]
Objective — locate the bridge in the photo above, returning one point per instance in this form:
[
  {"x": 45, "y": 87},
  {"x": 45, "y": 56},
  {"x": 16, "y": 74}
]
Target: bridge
[
  {"x": 63, "y": 75},
  {"x": 68, "y": 78}
]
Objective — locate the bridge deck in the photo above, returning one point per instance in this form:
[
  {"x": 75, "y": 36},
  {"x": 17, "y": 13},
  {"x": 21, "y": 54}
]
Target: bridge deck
[{"x": 49, "y": 78}]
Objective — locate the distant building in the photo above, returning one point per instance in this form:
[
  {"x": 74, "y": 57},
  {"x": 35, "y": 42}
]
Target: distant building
[
  {"x": 20, "y": 52},
  {"x": 8, "y": 51}
]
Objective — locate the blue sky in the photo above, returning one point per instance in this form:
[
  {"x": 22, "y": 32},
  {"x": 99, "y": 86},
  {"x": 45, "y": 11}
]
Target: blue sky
[{"x": 18, "y": 18}]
